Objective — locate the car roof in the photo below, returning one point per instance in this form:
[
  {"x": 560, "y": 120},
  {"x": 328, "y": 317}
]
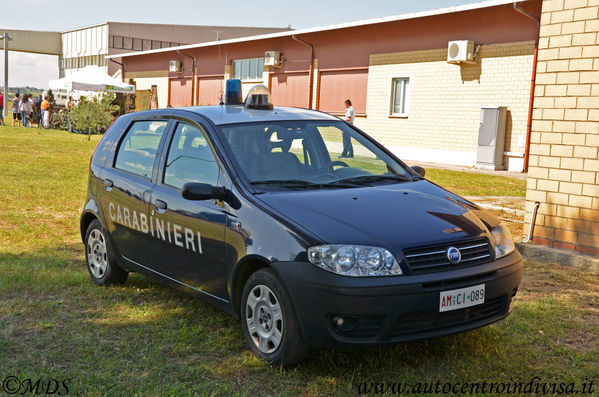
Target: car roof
[{"x": 232, "y": 114}]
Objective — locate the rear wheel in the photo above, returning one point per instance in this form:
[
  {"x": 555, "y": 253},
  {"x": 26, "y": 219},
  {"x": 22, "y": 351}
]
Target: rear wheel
[
  {"x": 269, "y": 321},
  {"x": 99, "y": 256}
]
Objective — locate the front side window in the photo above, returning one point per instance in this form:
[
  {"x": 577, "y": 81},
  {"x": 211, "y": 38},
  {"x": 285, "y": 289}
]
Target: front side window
[
  {"x": 190, "y": 158},
  {"x": 309, "y": 154},
  {"x": 400, "y": 96},
  {"x": 248, "y": 69},
  {"x": 137, "y": 150}
]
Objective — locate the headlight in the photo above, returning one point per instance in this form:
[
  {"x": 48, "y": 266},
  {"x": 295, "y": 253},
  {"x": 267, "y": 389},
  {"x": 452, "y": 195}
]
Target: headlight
[
  {"x": 354, "y": 260},
  {"x": 504, "y": 243}
]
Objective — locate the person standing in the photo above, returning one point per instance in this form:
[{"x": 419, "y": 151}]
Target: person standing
[
  {"x": 46, "y": 112},
  {"x": 16, "y": 116},
  {"x": 24, "y": 109},
  {"x": 1, "y": 109},
  {"x": 348, "y": 149},
  {"x": 31, "y": 110},
  {"x": 37, "y": 102}
]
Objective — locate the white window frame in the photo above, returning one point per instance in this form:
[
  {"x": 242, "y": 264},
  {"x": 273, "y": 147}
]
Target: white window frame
[
  {"x": 260, "y": 73},
  {"x": 406, "y": 96}
]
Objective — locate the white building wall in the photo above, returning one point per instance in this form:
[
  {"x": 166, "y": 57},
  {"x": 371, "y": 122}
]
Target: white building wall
[
  {"x": 89, "y": 45},
  {"x": 85, "y": 41},
  {"x": 161, "y": 83}
]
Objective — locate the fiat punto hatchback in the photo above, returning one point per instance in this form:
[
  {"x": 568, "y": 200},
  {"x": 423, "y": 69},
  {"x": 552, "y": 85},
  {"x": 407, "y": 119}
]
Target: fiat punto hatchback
[{"x": 251, "y": 207}]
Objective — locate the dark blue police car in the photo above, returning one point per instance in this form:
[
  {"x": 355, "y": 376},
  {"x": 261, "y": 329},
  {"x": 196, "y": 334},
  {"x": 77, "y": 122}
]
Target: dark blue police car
[{"x": 251, "y": 207}]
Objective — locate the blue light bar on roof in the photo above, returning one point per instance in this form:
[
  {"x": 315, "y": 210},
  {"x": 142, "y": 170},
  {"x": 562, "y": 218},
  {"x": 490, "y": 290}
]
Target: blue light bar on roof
[{"x": 233, "y": 94}]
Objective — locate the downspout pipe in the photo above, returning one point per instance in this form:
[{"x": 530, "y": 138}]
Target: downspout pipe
[
  {"x": 311, "y": 72},
  {"x": 533, "y": 220},
  {"x": 193, "y": 76},
  {"x": 524, "y": 12},
  {"x": 122, "y": 65},
  {"x": 532, "y": 85}
]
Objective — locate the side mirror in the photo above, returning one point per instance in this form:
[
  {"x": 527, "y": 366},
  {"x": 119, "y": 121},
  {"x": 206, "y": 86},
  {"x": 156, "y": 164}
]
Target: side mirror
[
  {"x": 202, "y": 191},
  {"x": 419, "y": 170}
]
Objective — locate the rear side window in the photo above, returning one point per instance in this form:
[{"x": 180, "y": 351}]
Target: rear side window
[
  {"x": 137, "y": 150},
  {"x": 190, "y": 158}
]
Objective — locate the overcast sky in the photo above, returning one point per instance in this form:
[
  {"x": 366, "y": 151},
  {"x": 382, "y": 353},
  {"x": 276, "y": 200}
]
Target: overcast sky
[{"x": 60, "y": 15}]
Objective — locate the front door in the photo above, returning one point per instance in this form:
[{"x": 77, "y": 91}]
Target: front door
[{"x": 189, "y": 235}]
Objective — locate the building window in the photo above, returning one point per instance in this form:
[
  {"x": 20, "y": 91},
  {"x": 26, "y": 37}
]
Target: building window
[
  {"x": 128, "y": 43},
  {"x": 133, "y": 44},
  {"x": 117, "y": 42},
  {"x": 137, "y": 44},
  {"x": 248, "y": 69},
  {"x": 61, "y": 63},
  {"x": 400, "y": 96}
]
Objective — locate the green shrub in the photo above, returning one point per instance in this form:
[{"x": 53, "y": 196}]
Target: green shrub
[
  {"x": 58, "y": 121},
  {"x": 96, "y": 115}
]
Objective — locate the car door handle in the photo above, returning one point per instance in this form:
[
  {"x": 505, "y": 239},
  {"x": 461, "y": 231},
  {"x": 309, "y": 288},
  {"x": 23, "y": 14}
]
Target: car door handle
[
  {"x": 108, "y": 184},
  {"x": 160, "y": 206}
]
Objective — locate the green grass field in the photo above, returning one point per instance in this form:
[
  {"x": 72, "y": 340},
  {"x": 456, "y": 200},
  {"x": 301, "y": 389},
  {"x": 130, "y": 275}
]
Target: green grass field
[{"x": 146, "y": 339}]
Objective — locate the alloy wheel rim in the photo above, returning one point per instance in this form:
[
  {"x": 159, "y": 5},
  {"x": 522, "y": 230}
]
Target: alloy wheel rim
[
  {"x": 264, "y": 319},
  {"x": 97, "y": 258}
]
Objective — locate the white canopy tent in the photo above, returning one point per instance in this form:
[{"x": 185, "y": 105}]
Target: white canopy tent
[{"x": 91, "y": 78}]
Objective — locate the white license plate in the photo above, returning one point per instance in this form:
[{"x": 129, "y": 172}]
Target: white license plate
[{"x": 461, "y": 298}]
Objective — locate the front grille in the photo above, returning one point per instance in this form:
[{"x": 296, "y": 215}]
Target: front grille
[
  {"x": 422, "y": 323},
  {"x": 433, "y": 258}
]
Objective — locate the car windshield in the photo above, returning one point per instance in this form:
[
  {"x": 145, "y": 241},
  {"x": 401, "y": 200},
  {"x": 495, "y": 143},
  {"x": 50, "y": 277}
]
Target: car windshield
[{"x": 309, "y": 154}]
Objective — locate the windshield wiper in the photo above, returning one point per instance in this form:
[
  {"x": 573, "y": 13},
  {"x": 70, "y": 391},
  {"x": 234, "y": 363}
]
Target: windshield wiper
[
  {"x": 298, "y": 183},
  {"x": 373, "y": 178}
]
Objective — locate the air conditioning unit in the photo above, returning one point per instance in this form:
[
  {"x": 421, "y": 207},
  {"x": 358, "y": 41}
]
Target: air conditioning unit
[
  {"x": 460, "y": 51},
  {"x": 175, "y": 66},
  {"x": 272, "y": 58}
]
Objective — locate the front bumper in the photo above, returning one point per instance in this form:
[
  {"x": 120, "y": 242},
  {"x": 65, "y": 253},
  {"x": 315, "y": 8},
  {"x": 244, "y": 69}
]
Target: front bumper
[{"x": 381, "y": 310}]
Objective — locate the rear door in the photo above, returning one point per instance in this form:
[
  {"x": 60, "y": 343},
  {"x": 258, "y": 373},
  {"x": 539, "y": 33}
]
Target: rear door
[
  {"x": 190, "y": 235},
  {"x": 127, "y": 183}
]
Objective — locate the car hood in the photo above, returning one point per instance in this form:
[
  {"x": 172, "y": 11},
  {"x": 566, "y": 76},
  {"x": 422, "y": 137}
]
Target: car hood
[{"x": 394, "y": 216}]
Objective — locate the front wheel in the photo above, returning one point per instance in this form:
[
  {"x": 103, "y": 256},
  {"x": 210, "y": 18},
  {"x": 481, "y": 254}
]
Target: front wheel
[
  {"x": 269, "y": 321},
  {"x": 99, "y": 256}
]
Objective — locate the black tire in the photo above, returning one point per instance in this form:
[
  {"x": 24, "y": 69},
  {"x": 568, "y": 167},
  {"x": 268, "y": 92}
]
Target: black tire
[
  {"x": 99, "y": 257},
  {"x": 292, "y": 347}
]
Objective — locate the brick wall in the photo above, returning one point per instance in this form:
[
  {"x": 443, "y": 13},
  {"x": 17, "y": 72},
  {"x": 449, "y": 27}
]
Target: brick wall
[
  {"x": 445, "y": 100},
  {"x": 564, "y": 165}
]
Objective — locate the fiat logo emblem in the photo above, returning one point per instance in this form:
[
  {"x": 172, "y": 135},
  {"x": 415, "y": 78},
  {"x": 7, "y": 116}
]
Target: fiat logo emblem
[{"x": 454, "y": 255}]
